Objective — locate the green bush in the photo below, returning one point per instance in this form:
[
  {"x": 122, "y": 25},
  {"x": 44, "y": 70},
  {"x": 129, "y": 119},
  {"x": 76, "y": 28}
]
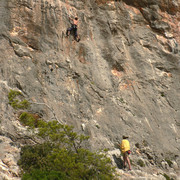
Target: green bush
[
  {"x": 162, "y": 94},
  {"x": 170, "y": 163},
  {"x": 28, "y": 119},
  {"x": 62, "y": 156},
  {"x": 44, "y": 175},
  {"x": 141, "y": 163},
  {"x": 14, "y": 100},
  {"x": 122, "y": 100},
  {"x": 167, "y": 177},
  {"x": 97, "y": 126},
  {"x": 145, "y": 143}
]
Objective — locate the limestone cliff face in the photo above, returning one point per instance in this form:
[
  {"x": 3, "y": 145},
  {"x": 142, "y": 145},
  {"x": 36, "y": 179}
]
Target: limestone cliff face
[{"x": 123, "y": 77}]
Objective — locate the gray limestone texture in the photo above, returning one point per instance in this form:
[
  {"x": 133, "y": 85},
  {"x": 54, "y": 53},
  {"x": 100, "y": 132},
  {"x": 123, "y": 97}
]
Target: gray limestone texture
[{"x": 123, "y": 77}]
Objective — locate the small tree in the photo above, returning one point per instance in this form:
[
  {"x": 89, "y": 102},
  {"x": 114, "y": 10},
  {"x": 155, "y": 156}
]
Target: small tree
[
  {"x": 16, "y": 101},
  {"x": 61, "y": 156}
]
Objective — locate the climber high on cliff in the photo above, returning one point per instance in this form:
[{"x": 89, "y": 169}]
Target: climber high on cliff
[{"x": 73, "y": 28}]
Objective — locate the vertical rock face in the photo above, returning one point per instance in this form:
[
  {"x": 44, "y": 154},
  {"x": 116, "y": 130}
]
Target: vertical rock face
[{"x": 123, "y": 77}]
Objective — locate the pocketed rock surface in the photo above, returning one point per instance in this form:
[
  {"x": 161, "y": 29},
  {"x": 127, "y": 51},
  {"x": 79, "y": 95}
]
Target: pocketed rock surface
[{"x": 122, "y": 78}]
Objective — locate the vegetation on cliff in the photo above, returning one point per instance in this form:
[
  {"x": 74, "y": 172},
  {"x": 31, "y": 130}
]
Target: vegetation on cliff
[{"x": 61, "y": 154}]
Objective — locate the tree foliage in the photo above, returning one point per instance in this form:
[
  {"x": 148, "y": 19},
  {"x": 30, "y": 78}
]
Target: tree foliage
[
  {"x": 28, "y": 119},
  {"x": 16, "y": 101},
  {"x": 61, "y": 156}
]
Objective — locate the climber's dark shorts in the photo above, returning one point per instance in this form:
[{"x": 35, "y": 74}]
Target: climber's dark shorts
[{"x": 74, "y": 29}]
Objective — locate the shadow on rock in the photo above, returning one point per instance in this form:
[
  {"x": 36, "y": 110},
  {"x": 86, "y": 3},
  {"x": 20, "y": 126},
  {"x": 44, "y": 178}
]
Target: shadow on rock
[{"x": 118, "y": 161}]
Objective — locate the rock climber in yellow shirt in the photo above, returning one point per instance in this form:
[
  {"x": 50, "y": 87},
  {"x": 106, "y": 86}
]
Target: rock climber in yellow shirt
[{"x": 125, "y": 149}]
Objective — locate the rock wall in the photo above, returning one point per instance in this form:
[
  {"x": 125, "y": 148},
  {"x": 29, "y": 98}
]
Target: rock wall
[{"x": 123, "y": 77}]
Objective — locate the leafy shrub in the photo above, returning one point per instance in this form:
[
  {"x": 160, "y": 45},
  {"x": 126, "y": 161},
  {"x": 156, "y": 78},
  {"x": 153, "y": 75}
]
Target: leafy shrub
[
  {"x": 14, "y": 100},
  {"x": 170, "y": 163},
  {"x": 62, "y": 156},
  {"x": 167, "y": 177},
  {"x": 122, "y": 100},
  {"x": 45, "y": 175},
  {"x": 162, "y": 94},
  {"x": 141, "y": 163},
  {"x": 97, "y": 126},
  {"x": 28, "y": 119},
  {"x": 145, "y": 143}
]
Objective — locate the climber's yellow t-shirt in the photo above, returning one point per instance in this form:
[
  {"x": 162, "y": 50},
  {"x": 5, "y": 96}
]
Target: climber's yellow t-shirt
[{"x": 125, "y": 146}]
